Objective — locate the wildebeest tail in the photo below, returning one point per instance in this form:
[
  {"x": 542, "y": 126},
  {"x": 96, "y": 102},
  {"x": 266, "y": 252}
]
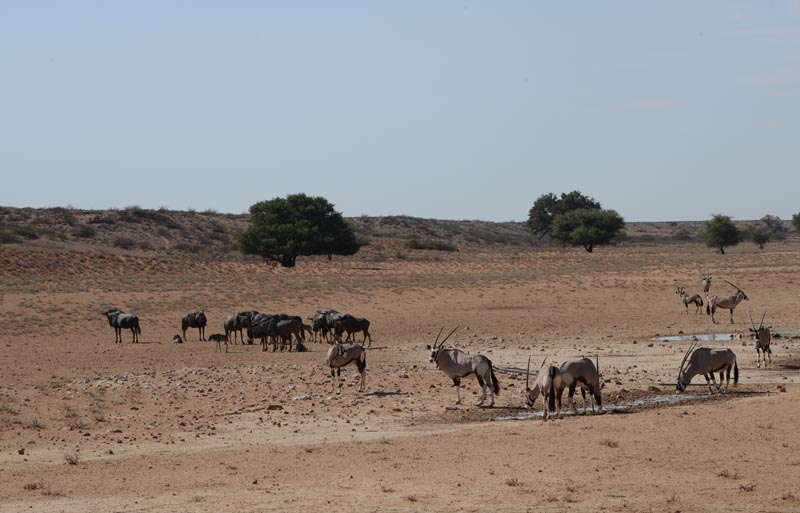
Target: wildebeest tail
[
  {"x": 708, "y": 308},
  {"x": 551, "y": 400},
  {"x": 735, "y": 373},
  {"x": 136, "y": 326},
  {"x": 701, "y": 301}
]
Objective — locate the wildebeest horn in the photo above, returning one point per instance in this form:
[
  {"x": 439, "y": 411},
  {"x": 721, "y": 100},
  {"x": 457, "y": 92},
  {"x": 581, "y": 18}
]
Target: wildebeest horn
[
  {"x": 528, "y": 375},
  {"x": 437, "y": 337},
  {"x": 448, "y": 336},
  {"x": 761, "y": 324}
]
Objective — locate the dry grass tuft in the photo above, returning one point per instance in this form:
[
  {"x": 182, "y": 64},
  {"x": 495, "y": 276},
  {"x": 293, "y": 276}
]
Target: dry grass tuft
[
  {"x": 71, "y": 458},
  {"x": 609, "y": 443}
]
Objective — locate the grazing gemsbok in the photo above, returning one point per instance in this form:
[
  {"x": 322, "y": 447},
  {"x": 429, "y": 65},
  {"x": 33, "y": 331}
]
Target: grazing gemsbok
[
  {"x": 582, "y": 373},
  {"x": 219, "y": 338},
  {"x": 339, "y": 357},
  {"x": 706, "y": 283},
  {"x": 119, "y": 320},
  {"x": 707, "y": 361},
  {"x": 195, "y": 320},
  {"x": 687, "y": 300},
  {"x": 728, "y": 302},
  {"x": 457, "y": 364},
  {"x": 548, "y": 383},
  {"x": 763, "y": 338}
]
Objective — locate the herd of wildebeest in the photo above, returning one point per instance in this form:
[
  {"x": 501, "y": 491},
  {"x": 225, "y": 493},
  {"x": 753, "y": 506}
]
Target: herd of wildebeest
[{"x": 282, "y": 330}]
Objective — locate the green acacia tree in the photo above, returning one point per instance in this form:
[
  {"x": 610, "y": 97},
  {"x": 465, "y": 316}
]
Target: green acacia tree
[
  {"x": 796, "y": 221},
  {"x": 721, "y": 233},
  {"x": 588, "y": 227},
  {"x": 543, "y": 213},
  {"x": 282, "y": 229}
]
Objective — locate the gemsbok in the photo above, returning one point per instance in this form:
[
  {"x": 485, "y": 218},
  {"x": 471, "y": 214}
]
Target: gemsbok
[
  {"x": 119, "y": 320},
  {"x": 694, "y": 299},
  {"x": 726, "y": 302},
  {"x": 457, "y": 364},
  {"x": 547, "y": 383},
  {"x": 707, "y": 361},
  {"x": 706, "y": 283},
  {"x": 763, "y": 338},
  {"x": 339, "y": 357},
  {"x": 584, "y": 374}
]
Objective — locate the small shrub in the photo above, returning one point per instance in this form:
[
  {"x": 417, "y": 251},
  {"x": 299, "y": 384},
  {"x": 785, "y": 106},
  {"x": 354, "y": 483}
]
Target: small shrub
[
  {"x": 85, "y": 231},
  {"x": 513, "y": 482},
  {"x": 430, "y": 244},
  {"x": 124, "y": 243},
  {"x": 33, "y": 486},
  {"x": 609, "y": 443},
  {"x": 72, "y": 458}
]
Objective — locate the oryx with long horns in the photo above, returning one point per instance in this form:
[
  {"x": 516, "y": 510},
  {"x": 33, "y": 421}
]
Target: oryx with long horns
[
  {"x": 581, "y": 373},
  {"x": 763, "y": 338},
  {"x": 457, "y": 364},
  {"x": 694, "y": 299},
  {"x": 706, "y": 283},
  {"x": 707, "y": 361},
  {"x": 728, "y": 302},
  {"x": 339, "y": 357},
  {"x": 547, "y": 383}
]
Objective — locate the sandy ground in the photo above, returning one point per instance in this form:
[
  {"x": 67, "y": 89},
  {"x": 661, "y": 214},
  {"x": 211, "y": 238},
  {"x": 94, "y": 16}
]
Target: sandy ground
[{"x": 87, "y": 425}]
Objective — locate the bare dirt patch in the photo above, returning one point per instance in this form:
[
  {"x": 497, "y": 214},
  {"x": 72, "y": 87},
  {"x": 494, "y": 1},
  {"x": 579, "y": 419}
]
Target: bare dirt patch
[{"x": 178, "y": 427}]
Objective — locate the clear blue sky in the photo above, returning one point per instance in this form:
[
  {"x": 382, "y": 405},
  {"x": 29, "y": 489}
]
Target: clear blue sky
[{"x": 454, "y": 110}]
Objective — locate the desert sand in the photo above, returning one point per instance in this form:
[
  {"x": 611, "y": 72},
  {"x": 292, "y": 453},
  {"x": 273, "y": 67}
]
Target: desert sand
[{"x": 89, "y": 425}]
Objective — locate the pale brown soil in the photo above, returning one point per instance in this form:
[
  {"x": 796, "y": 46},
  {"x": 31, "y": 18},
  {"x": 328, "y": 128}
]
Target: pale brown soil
[{"x": 177, "y": 427}]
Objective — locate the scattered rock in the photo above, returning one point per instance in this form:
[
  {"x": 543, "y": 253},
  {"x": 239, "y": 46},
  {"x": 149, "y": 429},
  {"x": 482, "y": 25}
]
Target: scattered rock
[
  {"x": 302, "y": 398},
  {"x": 21, "y": 451},
  {"x": 273, "y": 407},
  {"x": 115, "y": 430},
  {"x": 781, "y": 388}
]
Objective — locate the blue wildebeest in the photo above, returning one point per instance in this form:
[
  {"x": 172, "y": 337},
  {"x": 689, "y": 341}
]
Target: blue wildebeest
[
  {"x": 119, "y": 320},
  {"x": 195, "y": 320},
  {"x": 351, "y": 325}
]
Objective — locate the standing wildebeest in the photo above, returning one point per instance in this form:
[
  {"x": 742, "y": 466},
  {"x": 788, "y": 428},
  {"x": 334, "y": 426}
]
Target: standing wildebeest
[
  {"x": 339, "y": 357},
  {"x": 119, "y": 320},
  {"x": 219, "y": 338},
  {"x": 707, "y": 361},
  {"x": 236, "y": 323},
  {"x": 687, "y": 300},
  {"x": 549, "y": 384},
  {"x": 456, "y": 365},
  {"x": 763, "y": 338},
  {"x": 351, "y": 325},
  {"x": 728, "y": 302},
  {"x": 195, "y": 320},
  {"x": 319, "y": 325},
  {"x": 584, "y": 374}
]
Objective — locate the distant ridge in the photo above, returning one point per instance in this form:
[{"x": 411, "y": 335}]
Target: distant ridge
[{"x": 212, "y": 235}]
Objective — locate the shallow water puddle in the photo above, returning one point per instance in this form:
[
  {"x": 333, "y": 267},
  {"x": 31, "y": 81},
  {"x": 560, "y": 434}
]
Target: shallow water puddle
[
  {"x": 624, "y": 407},
  {"x": 721, "y": 336}
]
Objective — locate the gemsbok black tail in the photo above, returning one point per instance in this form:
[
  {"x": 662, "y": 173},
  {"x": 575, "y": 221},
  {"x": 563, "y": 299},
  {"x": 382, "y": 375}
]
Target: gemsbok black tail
[
  {"x": 735, "y": 373},
  {"x": 551, "y": 400},
  {"x": 495, "y": 384}
]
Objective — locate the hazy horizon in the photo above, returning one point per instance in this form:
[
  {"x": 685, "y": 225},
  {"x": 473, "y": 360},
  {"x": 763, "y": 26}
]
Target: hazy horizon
[{"x": 447, "y": 110}]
